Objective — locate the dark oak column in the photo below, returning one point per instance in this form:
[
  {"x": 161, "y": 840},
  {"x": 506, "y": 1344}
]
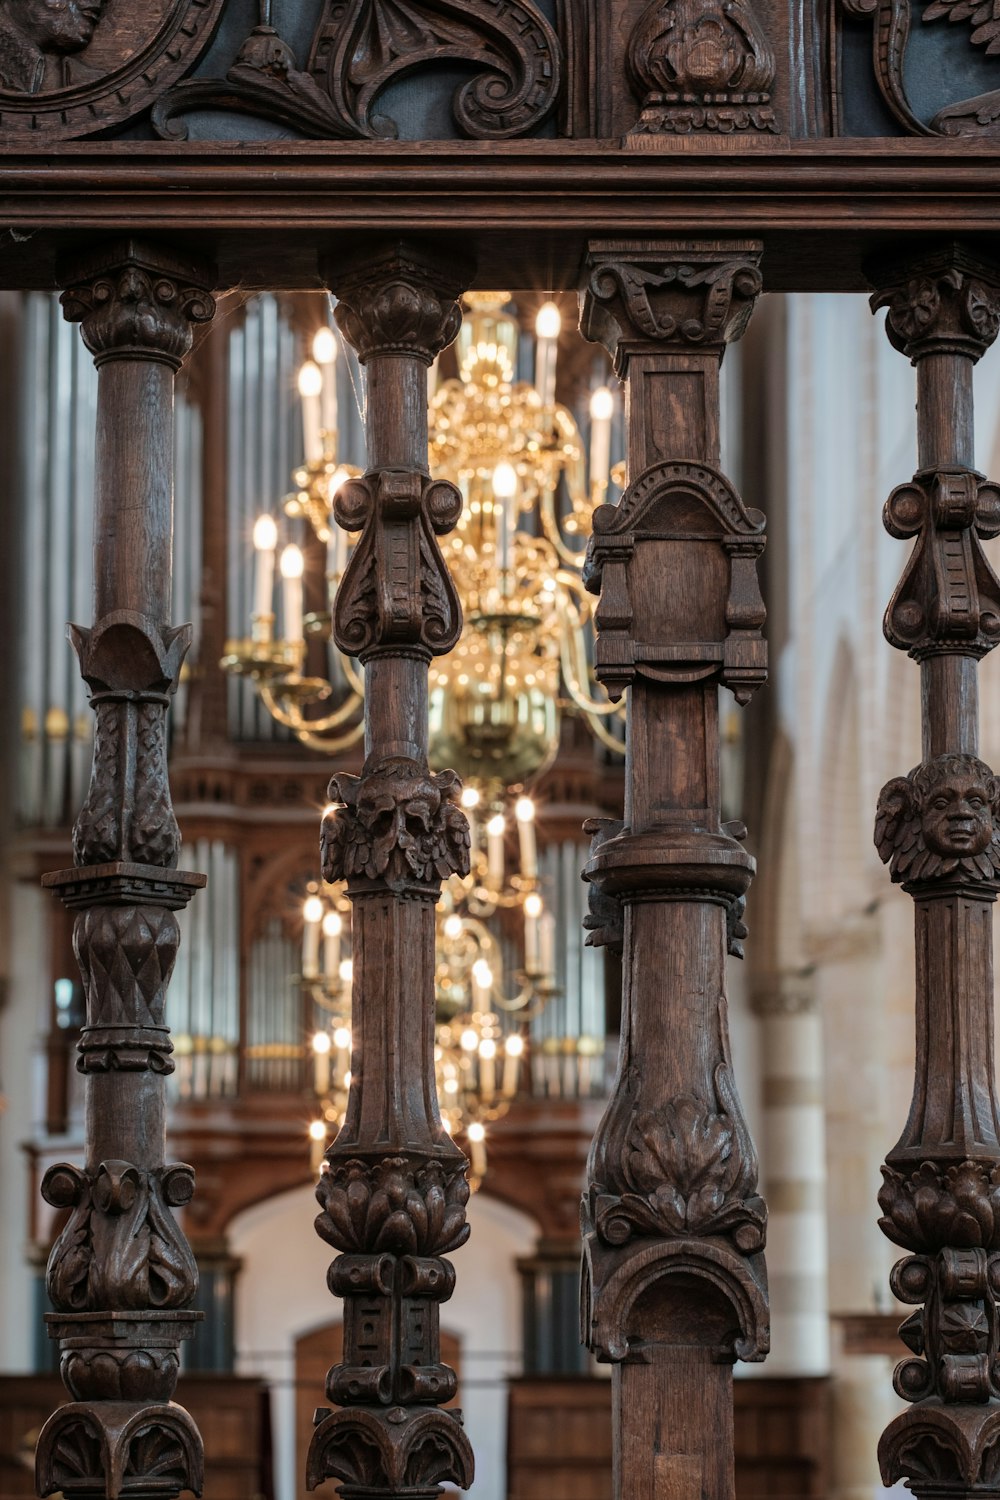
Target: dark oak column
[
  {"x": 674, "y": 1280},
  {"x": 121, "y": 1275},
  {"x": 939, "y": 830},
  {"x": 393, "y": 1190}
]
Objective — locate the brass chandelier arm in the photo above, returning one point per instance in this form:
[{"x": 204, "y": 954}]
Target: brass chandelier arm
[
  {"x": 550, "y": 526},
  {"x": 296, "y": 721}
]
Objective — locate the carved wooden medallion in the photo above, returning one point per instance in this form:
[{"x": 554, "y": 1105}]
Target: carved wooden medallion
[{"x": 73, "y": 67}]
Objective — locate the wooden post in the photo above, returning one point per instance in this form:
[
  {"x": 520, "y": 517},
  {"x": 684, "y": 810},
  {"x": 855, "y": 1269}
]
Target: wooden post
[
  {"x": 674, "y": 1282},
  {"x": 121, "y": 1275},
  {"x": 393, "y": 1189},
  {"x": 938, "y": 829}
]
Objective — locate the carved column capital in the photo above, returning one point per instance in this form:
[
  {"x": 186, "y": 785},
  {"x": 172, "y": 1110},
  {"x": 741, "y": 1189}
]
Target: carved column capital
[
  {"x": 402, "y": 300},
  {"x": 670, "y": 292},
  {"x": 943, "y": 302},
  {"x": 135, "y": 301},
  {"x": 701, "y": 67}
]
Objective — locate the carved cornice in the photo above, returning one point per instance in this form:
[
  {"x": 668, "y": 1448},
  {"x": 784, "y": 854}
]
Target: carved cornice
[
  {"x": 137, "y": 302},
  {"x": 398, "y": 823},
  {"x": 674, "y": 292},
  {"x": 941, "y": 823},
  {"x": 397, "y": 589},
  {"x": 701, "y": 65},
  {"x": 944, "y": 302}
]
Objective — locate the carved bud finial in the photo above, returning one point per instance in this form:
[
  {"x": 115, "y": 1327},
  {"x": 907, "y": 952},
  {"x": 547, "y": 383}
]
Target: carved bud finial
[
  {"x": 400, "y": 303},
  {"x": 701, "y": 65},
  {"x": 947, "y": 302},
  {"x": 135, "y": 302},
  {"x": 941, "y": 821}
]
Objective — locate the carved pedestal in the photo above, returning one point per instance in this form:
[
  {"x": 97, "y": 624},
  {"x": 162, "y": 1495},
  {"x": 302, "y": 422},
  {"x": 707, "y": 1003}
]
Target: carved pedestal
[
  {"x": 938, "y": 830},
  {"x": 121, "y": 1275},
  {"x": 674, "y": 1282},
  {"x": 393, "y": 1189}
]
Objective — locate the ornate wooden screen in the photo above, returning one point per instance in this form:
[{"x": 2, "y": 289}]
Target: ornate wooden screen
[{"x": 672, "y": 159}]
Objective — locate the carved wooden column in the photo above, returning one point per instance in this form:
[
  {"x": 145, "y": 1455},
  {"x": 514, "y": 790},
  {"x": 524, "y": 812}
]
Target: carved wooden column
[
  {"x": 674, "y": 1280},
  {"x": 939, "y": 830},
  {"x": 393, "y": 1190},
  {"x": 121, "y": 1275}
]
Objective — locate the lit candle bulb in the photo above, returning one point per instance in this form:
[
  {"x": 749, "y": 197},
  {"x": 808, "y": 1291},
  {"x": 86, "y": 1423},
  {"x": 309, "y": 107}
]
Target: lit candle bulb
[
  {"x": 324, "y": 352},
  {"x": 317, "y": 1137},
  {"x": 505, "y": 519},
  {"x": 547, "y": 326},
  {"x": 321, "y": 1061},
  {"x": 333, "y": 926},
  {"x": 342, "y": 1042},
  {"x": 524, "y": 811},
  {"x": 265, "y": 540},
  {"x": 312, "y": 911},
  {"x": 292, "y": 568},
  {"x": 495, "y": 830},
  {"x": 476, "y": 1137},
  {"x": 487, "y": 1068},
  {"x": 547, "y": 936},
  {"x": 310, "y": 386},
  {"x": 482, "y": 984},
  {"x": 532, "y": 913},
  {"x": 513, "y": 1049},
  {"x": 602, "y": 405}
]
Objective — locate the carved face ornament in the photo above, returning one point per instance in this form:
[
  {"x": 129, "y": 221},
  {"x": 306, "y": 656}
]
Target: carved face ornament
[
  {"x": 957, "y": 816},
  {"x": 55, "y": 25},
  {"x": 940, "y": 819}
]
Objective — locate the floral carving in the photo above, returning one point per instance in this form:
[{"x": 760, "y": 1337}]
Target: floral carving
[
  {"x": 392, "y": 1206},
  {"x": 116, "y": 1449},
  {"x": 935, "y": 1206},
  {"x": 947, "y": 301},
  {"x": 698, "y": 65},
  {"x": 941, "y": 821},
  {"x": 121, "y": 1248},
  {"x": 398, "y": 822},
  {"x": 396, "y": 1451},
  {"x": 405, "y": 311},
  {"x": 692, "y": 1170}
]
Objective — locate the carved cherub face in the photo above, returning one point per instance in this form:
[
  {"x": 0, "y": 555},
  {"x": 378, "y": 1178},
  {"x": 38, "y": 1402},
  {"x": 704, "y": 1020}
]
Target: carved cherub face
[
  {"x": 55, "y": 25},
  {"x": 957, "y": 815}
]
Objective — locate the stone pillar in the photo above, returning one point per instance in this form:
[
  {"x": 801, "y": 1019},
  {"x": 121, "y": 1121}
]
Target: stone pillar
[
  {"x": 121, "y": 1275},
  {"x": 674, "y": 1282},
  {"x": 794, "y": 1152},
  {"x": 393, "y": 1190}
]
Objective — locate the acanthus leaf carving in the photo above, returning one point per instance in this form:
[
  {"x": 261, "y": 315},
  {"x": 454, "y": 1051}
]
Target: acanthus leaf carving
[
  {"x": 119, "y": 1448},
  {"x": 394, "y": 1451},
  {"x": 702, "y": 65},
  {"x": 121, "y": 1248},
  {"x": 688, "y": 1168},
  {"x": 393, "y": 1206},
  {"x": 941, "y": 822},
  {"x": 398, "y": 823},
  {"x": 948, "y": 301},
  {"x": 133, "y": 302},
  {"x": 934, "y": 1205}
]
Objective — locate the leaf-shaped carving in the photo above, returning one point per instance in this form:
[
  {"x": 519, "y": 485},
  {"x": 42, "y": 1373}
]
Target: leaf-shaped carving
[
  {"x": 399, "y": 822},
  {"x": 392, "y": 1207},
  {"x": 361, "y": 48},
  {"x": 984, "y": 18}
]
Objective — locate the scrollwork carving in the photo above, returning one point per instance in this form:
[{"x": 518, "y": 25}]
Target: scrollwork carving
[
  {"x": 398, "y": 823},
  {"x": 696, "y": 298},
  {"x": 949, "y": 302},
  {"x": 701, "y": 65},
  {"x": 134, "y": 302},
  {"x": 121, "y": 1248},
  {"x": 942, "y": 821}
]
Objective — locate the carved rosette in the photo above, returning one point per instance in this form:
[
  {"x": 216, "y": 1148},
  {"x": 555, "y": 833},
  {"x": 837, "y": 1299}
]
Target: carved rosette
[
  {"x": 393, "y": 1188},
  {"x": 938, "y": 830},
  {"x": 701, "y": 65},
  {"x": 121, "y": 1275}
]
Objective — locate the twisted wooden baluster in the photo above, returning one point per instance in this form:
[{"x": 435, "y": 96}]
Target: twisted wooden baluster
[
  {"x": 121, "y": 1275},
  {"x": 674, "y": 1283},
  {"x": 938, "y": 830},
  {"x": 393, "y": 1191}
]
